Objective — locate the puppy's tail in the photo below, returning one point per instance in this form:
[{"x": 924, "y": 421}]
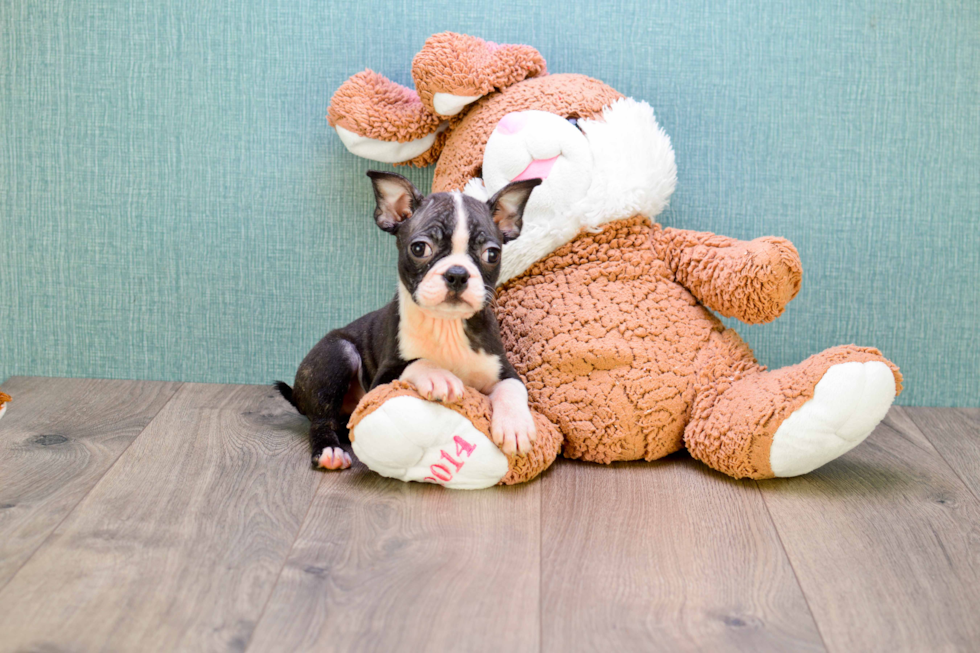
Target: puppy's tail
[{"x": 286, "y": 392}]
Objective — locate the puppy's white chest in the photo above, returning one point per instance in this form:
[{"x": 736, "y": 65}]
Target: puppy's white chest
[{"x": 444, "y": 343}]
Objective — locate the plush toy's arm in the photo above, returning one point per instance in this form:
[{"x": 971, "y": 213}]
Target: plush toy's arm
[{"x": 749, "y": 280}]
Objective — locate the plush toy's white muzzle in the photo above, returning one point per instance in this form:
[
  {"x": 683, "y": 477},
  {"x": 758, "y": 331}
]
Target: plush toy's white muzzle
[{"x": 539, "y": 144}]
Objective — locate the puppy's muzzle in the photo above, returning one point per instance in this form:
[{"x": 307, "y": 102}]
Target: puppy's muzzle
[{"x": 456, "y": 278}]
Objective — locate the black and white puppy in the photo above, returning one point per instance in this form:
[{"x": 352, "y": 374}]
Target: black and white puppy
[{"x": 438, "y": 333}]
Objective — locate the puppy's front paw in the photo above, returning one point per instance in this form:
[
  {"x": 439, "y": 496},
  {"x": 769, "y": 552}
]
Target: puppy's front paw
[
  {"x": 433, "y": 383},
  {"x": 332, "y": 458},
  {"x": 512, "y": 426},
  {"x": 440, "y": 385}
]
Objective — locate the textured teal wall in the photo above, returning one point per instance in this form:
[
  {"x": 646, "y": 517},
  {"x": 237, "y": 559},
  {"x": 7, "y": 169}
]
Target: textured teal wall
[{"x": 174, "y": 206}]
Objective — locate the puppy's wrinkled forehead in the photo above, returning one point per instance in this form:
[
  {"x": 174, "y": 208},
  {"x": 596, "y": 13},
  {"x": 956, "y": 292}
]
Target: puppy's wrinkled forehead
[{"x": 455, "y": 219}]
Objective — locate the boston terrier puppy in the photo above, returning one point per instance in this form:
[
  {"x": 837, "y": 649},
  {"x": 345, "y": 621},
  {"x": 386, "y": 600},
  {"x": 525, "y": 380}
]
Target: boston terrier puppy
[{"x": 438, "y": 333}]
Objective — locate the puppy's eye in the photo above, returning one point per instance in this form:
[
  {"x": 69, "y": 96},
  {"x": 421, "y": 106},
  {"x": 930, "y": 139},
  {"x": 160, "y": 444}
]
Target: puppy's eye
[
  {"x": 421, "y": 249},
  {"x": 491, "y": 255},
  {"x": 574, "y": 123}
]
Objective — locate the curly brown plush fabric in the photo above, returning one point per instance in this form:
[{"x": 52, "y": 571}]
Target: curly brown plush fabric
[
  {"x": 575, "y": 96},
  {"x": 629, "y": 365},
  {"x": 735, "y": 417},
  {"x": 369, "y": 104},
  {"x": 467, "y": 65},
  {"x": 768, "y": 275},
  {"x": 475, "y": 406},
  {"x": 372, "y": 105},
  {"x": 4, "y": 398}
]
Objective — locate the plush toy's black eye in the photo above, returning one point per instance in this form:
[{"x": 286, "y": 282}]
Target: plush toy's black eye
[
  {"x": 420, "y": 249},
  {"x": 574, "y": 123},
  {"x": 491, "y": 255}
]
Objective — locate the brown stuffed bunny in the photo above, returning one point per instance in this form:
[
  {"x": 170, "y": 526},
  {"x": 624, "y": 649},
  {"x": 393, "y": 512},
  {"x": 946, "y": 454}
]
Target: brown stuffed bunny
[{"x": 606, "y": 315}]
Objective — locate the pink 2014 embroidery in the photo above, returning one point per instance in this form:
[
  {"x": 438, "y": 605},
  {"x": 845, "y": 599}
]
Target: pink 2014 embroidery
[{"x": 440, "y": 472}]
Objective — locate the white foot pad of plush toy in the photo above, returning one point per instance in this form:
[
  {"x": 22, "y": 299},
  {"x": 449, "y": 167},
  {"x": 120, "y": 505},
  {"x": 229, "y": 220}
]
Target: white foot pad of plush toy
[
  {"x": 848, "y": 403},
  {"x": 416, "y": 440}
]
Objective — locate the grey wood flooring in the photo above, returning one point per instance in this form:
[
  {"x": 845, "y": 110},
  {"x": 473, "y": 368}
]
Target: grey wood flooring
[{"x": 142, "y": 516}]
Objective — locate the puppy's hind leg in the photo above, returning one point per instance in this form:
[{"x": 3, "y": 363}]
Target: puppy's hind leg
[
  {"x": 327, "y": 389},
  {"x": 325, "y": 442}
]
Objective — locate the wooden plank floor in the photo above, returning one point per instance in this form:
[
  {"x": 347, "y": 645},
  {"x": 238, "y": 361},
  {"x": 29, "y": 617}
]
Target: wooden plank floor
[{"x": 138, "y": 516}]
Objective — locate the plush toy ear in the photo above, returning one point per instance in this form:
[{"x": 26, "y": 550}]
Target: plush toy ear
[
  {"x": 507, "y": 207},
  {"x": 454, "y": 70},
  {"x": 380, "y": 120},
  {"x": 397, "y": 199}
]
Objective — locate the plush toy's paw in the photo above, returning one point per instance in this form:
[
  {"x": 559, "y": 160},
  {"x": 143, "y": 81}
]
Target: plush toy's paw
[
  {"x": 416, "y": 440},
  {"x": 397, "y": 433},
  {"x": 433, "y": 382},
  {"x": 511, "y": 425},
  {"x": 331, "y": 458},
  {"x": 848, "y": 403}
]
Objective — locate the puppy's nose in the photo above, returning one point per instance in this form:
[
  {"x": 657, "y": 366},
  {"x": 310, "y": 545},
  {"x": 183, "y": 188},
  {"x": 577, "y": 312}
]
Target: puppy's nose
[
  {"x": 512, "y": 123},
  {"x": 456, "y": 278}
]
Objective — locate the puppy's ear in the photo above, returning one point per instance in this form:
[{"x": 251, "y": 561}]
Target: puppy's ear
[
  {"x": 507, "y": 207},
  {"x": 397, "y": 199}
]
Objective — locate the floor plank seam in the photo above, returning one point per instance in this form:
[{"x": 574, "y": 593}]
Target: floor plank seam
[
  {"x": 796, "y": 576},
  {"x": 925, "y": 434},
  {"x": 540, "y": 569},
  {"x": 89, "y": 491},
  {"x": 285, "y": 561}
]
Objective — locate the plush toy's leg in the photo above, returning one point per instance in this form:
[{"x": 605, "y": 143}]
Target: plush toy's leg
[
  {"x": 398, "y": 434},
  {"x": 787, "y": 422}
]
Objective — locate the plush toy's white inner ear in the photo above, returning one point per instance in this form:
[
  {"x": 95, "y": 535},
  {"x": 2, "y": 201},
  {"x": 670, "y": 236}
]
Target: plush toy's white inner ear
[
  {"x": 447, "y": 104},
  {"x": 387, "y": 151}
]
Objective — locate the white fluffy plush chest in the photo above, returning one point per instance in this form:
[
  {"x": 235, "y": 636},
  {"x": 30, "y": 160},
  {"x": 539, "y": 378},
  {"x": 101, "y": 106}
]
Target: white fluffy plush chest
[{"x": 444, "y": 343}]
